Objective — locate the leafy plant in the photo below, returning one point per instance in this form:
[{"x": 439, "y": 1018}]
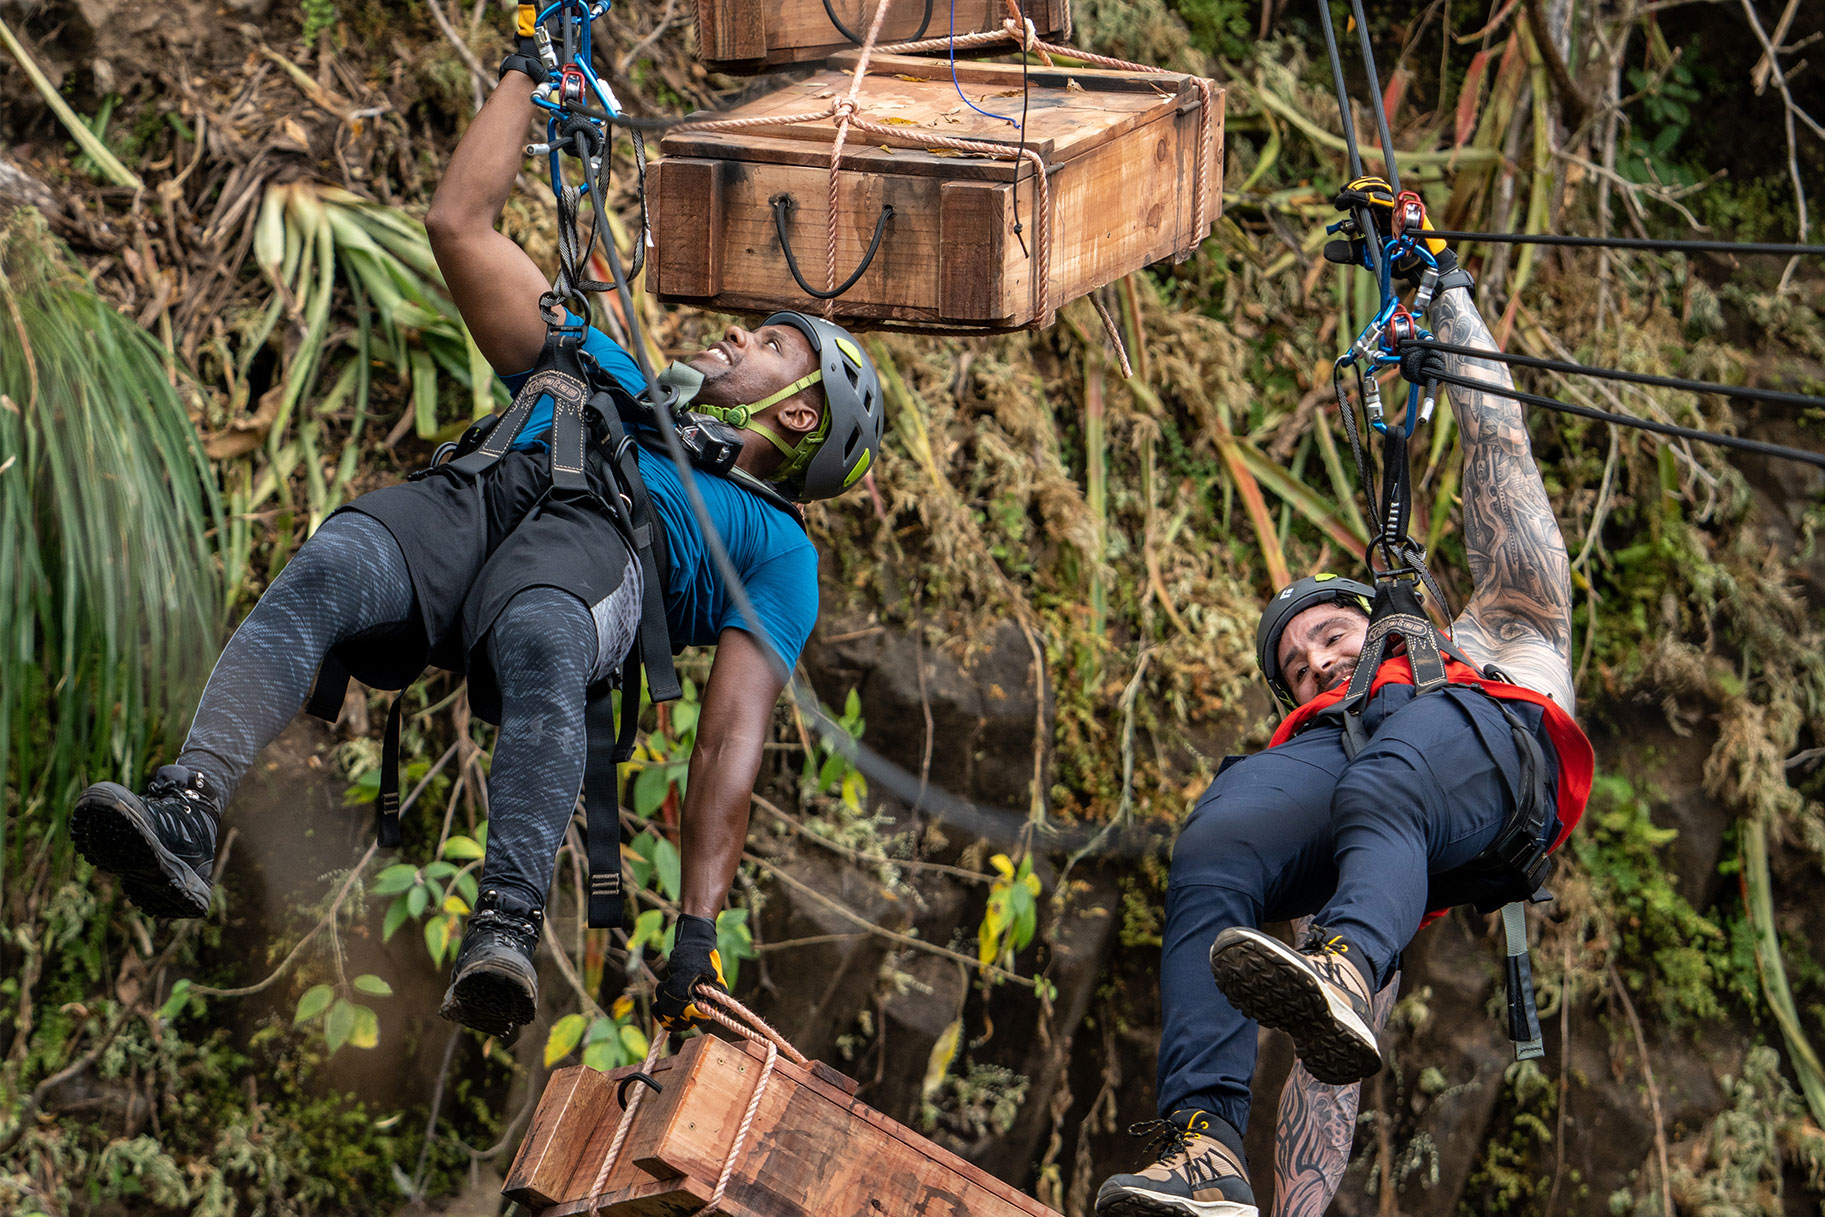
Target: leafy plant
[
  {"x": 344, "y": 1021},
  {"x": 608, "y": 1042},
  {"x": 664, "y": 759},
  {"x": 110, "y": 601},
  {"x": 828, "y": 771},
  {"x": 1012, "y": 916},
  {"x": 441, "y": 889}
]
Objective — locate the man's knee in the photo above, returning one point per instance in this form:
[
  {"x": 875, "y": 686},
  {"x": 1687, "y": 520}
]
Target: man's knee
[{"x": 542, "y": 630}]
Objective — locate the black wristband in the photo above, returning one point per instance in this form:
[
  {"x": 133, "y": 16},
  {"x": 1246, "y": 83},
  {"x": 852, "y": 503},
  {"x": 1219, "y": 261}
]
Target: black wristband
[{"x": 531, "y": 65}]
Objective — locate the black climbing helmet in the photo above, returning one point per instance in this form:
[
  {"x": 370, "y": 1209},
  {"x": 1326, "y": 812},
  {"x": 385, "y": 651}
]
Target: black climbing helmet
[
  {"x": 1287, "y": 604},
  {"x": 843, "y": 447}
]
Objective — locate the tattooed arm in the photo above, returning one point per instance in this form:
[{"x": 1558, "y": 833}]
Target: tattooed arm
[
  {"x": 1520, "y": 614},
  {"x": 1313, "y": 1131}
]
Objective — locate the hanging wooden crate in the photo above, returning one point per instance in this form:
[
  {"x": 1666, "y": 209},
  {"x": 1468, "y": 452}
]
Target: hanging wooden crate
[
  {"x": 1128, "y": 156},
  {"x": 813, "y": 1149},
  {"x": 748, "y": 35}
]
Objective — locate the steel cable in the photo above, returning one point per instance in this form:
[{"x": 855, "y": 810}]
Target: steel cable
[
  {"x": 1760, "y": 447},
  {"x": 1654, "y": 244},
  {"x": 1744, "y": 392}
]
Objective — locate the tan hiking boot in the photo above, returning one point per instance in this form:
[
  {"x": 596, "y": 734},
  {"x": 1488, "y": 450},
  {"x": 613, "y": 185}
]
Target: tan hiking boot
[
  {"x": 1314, "y": 994},
  {"x": 1196, "y": 1175}
]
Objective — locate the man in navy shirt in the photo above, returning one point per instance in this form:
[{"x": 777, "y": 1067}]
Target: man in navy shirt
[{"x": 537, "y": 597}]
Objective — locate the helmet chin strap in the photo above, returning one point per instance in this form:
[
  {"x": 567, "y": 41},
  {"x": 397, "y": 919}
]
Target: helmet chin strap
[{"x": 793, "y": 457}]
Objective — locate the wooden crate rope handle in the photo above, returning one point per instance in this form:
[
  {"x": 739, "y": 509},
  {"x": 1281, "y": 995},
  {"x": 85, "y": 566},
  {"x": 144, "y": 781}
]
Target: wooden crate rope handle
[{"x": 752, "y": 1027}]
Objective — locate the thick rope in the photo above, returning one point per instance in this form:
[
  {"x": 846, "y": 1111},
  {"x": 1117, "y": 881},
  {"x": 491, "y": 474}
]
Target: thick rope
[
  {"x": 1032, "y": 36},
  {"x": 747, "y": 1121},
  {"x": 845, "y": 114},
  {"x": 626, "y": 1125},
  {"x": 1115, "y": 335},
  {"x": 752, "y": 1026}
]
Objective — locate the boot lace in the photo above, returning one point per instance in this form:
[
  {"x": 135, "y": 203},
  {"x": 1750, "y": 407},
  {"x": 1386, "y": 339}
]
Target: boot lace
[
  {"x": 522, "y": 929},
  {"x": 1166, "y": 1140}
]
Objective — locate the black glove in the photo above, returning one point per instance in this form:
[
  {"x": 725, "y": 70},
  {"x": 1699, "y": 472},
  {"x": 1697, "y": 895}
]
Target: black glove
[
  {"x": 525, "y": 56},
  {"x": 694, "y": 959}
]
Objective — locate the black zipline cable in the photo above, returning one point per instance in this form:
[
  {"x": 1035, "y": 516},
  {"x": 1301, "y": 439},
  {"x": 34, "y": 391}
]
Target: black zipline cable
[
  {"x": 1647, "y": 243},
  {"x": 1645, "y": 424},
  {"x": 1744, "y": 392},
  {"x": 1381, "y": 114},
  {"x": 1363, "y": 219}
]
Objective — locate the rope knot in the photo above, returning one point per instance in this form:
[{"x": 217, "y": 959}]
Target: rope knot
[{"x": 1027, "y": 38}]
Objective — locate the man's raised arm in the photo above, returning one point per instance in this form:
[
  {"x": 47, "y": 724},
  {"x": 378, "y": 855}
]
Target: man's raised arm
[
  {"x": 1520, "y": 612},
  {"x": 495, "y": 285}
]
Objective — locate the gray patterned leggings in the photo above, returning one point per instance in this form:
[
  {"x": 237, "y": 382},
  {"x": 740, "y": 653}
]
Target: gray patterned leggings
[{"x": 350, "y": 581}]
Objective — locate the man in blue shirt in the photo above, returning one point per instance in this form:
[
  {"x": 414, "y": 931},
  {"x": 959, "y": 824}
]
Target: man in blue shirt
[{"x": 536, "y": 595}]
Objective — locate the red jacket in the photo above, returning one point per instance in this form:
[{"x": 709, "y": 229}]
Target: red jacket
[{"x": 1577, "y": 763}]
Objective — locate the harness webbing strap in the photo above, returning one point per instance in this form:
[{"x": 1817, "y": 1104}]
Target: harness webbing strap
[
  {"x": 1396, "y": 613},
  {"x": 647, "y": 535},
  {"x": 386, "y": 803},
  {"x": 1523, "y": 1016},
  {"x": 330, "y": 690},
  {"x": 602, "y": 795}
]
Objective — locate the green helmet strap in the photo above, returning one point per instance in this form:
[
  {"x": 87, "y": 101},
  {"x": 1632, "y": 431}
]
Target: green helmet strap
[{"x": 794, "y": 457}]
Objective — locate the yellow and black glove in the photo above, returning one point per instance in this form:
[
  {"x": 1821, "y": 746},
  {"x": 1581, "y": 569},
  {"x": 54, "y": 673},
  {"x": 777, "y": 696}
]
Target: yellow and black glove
[
  {"x": 1374, "y": 196},
  {"x": 525, "y": 55},
  {"x": 694, "y": 959}
]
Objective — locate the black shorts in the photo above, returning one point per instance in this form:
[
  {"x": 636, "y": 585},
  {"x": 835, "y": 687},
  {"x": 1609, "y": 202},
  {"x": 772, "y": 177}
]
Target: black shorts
[{"x": 473, "y": 543}]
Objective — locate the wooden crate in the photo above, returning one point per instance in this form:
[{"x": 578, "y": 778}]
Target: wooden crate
[
  {"x": 748, "y": 35},
  {"x": 1121, "y": 150},
  {"x": 814, "y": 1150}
]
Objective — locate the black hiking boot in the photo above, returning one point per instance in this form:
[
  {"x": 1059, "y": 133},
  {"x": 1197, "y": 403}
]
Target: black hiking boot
[
  {"x": 494, "y": 988},
  {"x": 1314, "y": 994},
  {"x": 1196, "y": 1175},
  {"x": 161, "y": 844}
]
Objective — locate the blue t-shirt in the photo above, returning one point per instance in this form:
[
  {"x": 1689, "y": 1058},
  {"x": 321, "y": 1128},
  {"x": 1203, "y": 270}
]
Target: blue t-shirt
[{"x": 776, "y": 560}]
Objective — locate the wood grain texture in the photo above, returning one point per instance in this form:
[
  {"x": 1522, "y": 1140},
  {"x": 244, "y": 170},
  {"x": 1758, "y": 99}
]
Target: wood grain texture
[
  {"x": 813, "y": 1151},
  {"x": 1121, "y": 150},
  {"x": 747, "y": 35}
]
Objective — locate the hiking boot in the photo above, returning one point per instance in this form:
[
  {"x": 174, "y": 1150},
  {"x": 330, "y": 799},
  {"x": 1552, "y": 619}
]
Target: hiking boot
[
  {"x": 161, "y": 844},
  {"x": 1314, "y": 994},
  {"x": 1196, "y": 1175},
  {"x": 494, "y": 988}
]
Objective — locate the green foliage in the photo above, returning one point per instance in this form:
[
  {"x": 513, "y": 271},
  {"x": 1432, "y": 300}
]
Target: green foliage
[
  {"x": 828, "y": 769},
  {"x": 1012, "y": 914},
  {"x": 441, "y": 893},
  {"x": 110, "y": 598},
  {"x": 1665, "y": 116},
  {"x": 662, "y": 763},
  {"x": 318, "y": 15},
  {"x": 1666, "y": 948}
]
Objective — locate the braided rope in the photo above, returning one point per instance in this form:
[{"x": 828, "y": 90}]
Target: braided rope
[
  {"x": 1114, "y": 333},
  {"x": 845, "y": 113},
  {"x": 627, "y": 1123},
  {"x": 753, "y": 1026},
  {"x": 1032, "y": 35},
  {"x": 747, "y": 1119}
]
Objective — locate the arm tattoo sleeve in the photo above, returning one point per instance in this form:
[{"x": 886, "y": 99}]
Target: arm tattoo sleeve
[
  {"x": 1313, "y": 1131},
  {"x": 1519, "y": 616}
]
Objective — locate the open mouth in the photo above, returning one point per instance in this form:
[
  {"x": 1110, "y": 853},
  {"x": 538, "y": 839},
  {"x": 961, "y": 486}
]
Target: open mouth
[{"x": 721, "y": 353}]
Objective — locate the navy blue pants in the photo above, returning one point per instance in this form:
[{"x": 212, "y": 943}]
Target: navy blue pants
[{"x": 1300, "y": 830}]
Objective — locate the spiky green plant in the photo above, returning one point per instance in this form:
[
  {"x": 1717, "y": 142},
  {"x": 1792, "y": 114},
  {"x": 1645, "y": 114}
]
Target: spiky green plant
[{"x": 110, "y": 607}]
